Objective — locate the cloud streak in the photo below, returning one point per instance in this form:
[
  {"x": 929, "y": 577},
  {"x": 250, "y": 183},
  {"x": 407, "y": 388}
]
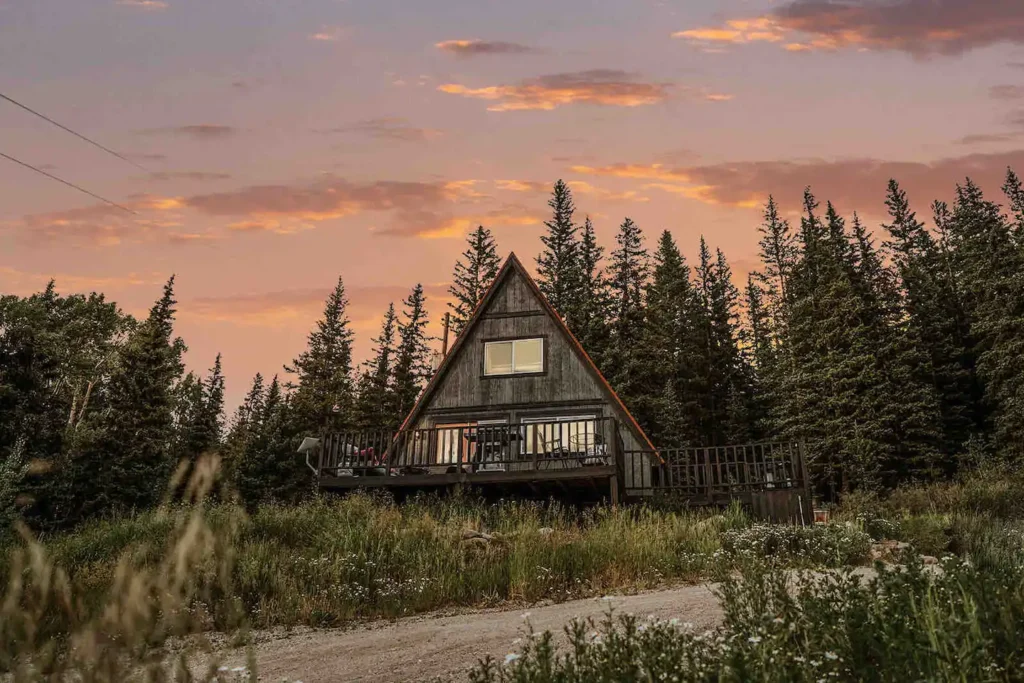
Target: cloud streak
[
  {"x": 390, "y": 128},
  {"x": 922, "y": 28},
  {"x": 851, "y": 183},
  {"x": 198, "y": 131},
  {"x": 478, "y": 48},
  {"x": 606, "y": 87}
]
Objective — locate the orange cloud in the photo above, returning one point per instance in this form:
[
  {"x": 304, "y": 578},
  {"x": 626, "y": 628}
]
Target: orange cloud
[
  {"x": 606, "y": 87},
  {"x": 24, "y": 282},
  {"x": 430, "y": 226},
  {"x": 302, "y": 306},
  {"x": 922, "y": 28},
  {"x": 652, "y": 171},
  {"x": 522, "y": 185},
  {"x": 328, "y": 34},
  {"x": 475, "y": 48},
  {"x": 198, "y": 131},
  {"x": 102, "y": 225},
  {"x": 585, "y": 188},
  {"x": 853, "y": 184}
]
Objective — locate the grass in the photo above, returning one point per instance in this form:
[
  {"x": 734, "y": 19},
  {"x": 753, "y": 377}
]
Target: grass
[
  {"x": 964, "y": 622},
  {"x": 109, "y": 600},
  {"x": 327, "y": 562}
]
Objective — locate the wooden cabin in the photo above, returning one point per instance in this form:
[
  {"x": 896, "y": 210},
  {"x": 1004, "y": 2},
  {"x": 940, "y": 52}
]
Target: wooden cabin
[{"x": 516, "y": 400}]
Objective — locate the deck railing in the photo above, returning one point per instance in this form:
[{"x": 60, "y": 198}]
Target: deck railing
[
  {"x": 528, "y": 446},
  {"x": 714, "y": 472}
]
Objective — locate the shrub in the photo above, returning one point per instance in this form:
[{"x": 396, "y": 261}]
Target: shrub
[
  {"x": 903, "y": 625},
  {"x": 828, "y": 545}
]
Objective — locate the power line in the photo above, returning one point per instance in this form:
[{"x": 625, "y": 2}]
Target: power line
[
  {"x": 60, "y": 180},
  {"x": 77, "y": 135}
]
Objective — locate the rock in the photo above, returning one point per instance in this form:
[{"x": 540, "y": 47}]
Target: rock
[
  {"x": 928, "y": 559},
  {"x": 545, "y": 531}
]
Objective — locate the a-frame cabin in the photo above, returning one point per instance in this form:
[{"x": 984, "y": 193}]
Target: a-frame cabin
[{"x": 516, "y": 400}]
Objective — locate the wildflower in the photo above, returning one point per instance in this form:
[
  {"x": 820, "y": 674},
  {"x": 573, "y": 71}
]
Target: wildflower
[
  {"x": 754, "y": 639},
  {"x": 831, "y": 656}
]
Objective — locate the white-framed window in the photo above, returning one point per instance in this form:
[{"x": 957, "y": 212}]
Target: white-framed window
[
  {"x": 575, "y": 433},
  {"x": 514, "y": 357}
]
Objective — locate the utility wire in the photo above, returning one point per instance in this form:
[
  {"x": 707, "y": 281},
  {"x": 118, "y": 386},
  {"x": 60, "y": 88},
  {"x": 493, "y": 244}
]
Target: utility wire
[
  {"x": 60, "y": 180},
  {"x": 77, "y": 135}
]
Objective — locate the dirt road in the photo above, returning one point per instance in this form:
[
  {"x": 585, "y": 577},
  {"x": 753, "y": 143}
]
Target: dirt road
[{"x": 420, "y": 648}]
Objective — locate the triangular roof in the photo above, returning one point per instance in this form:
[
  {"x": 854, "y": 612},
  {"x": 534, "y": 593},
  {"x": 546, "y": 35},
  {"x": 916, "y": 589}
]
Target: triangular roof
[{"x": 514, "y": 265}]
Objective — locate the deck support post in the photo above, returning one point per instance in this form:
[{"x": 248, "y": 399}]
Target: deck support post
[{"x": 613, "y": 485}]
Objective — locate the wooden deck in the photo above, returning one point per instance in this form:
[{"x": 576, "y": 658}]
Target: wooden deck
[{"x": 584, "y": 455}]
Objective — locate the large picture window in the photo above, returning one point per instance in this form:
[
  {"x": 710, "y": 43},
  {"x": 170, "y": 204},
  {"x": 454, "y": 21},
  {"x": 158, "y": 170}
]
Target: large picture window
[{"x": 514, "y": 357}]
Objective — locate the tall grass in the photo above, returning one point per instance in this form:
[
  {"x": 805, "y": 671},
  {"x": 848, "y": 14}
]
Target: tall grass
[
  {"x": 330, "y": 561},
  {"x": 164, "y": 589}
]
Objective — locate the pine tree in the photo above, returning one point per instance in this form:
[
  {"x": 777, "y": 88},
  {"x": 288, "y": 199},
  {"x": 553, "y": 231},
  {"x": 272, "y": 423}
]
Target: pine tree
[
  {"x": 125, "y": 459},
  {"x": 411, "y": 361},
  {"x": 268, "y": 467},
  {"x": 558, "y": 267},
  {"x": 377, "y": 403},
  {"x": 779, "y": 253},
  {"x": 323, "y": 391},
  {"x": 934, "y": 318},
  {"x": 589, "y": 318},
  {"x": 673, "y": 346},
  {"x": 626, "y": 354},
  {"x": 473, "y": 275},
  {"x": 1015, "y": 193},
  {"x": 731, "y": 387},
  {"x": 761, "y": 361},
  {"x": 989, "y": 266}
]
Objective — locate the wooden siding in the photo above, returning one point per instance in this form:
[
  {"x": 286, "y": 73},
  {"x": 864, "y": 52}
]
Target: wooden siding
[{"x": 565, "y": 380}]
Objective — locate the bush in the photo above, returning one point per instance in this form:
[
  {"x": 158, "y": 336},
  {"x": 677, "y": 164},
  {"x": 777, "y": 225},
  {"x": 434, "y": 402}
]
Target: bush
[
  {"x": 903, "y": 625},
  {"x": 827, "y": 545}
]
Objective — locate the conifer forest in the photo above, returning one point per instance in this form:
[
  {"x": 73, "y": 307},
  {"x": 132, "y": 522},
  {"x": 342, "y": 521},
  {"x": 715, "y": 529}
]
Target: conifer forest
[{"x": 895, "y": 352}]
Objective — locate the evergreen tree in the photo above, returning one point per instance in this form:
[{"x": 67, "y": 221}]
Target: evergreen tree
[
  {"x": 411, "y": 362},
  {"x": 323, "y": 391},
  {"x": 268, "y": 468},
  {"x": 558, "y": 267},
  {"x": 627, "y": 356},
  {"x": 1015, "y": 193},
  {"x": 377, "y": 401},
  {"x": 760, "y": 361},
  {"x": 674, "y": 348},
  {"x": 589, "y": 318},
  {"x": 473, "y": 275},
  {"x": 730, "y": 379},
  {"x": 125, "y": 458},
  {"x": 779, "y": 253},
  {"x": 989, "y": 266},
  {"x": 934, "y": 318}
]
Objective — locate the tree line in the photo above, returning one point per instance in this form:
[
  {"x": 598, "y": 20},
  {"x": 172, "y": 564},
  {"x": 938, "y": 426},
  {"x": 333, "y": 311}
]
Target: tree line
[{"x": 890, "y": 358}]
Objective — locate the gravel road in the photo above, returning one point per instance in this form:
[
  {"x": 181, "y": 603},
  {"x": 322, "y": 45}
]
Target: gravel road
[{"x": 428, "y": 646}]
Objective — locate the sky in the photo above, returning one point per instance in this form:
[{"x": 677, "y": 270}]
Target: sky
[{"x": 277, "y": 145}]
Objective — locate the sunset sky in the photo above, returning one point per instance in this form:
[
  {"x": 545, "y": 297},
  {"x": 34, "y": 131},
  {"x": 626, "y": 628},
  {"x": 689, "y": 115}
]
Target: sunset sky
[{"x": 287, "y": 142}]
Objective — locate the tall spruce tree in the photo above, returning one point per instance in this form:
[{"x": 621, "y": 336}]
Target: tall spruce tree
[
  {"x": 473, "y": 275},
  {"x": 558, "y": 266},
  {"x": 411, "y": 362},
  {"x": 761, "y": 361},
  {"x": 627, "y": 358},
  {"x": 588, "y": 320},
  {"x": 323, "y": 389},
  {"x": 125, "y": 460},
  {"x": 779, "y": 253},
  {"x": 934, "y": 318},
  {"x": 674, "y": 348},
  {"x": 1015, "y": 193},
  {"x": 377, "y": 407},
  {"x": 990, "y": 269}
]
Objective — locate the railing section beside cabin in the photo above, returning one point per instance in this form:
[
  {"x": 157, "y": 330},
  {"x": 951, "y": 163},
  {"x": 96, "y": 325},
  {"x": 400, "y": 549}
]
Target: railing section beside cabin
[
  {"x": 533, "y": 446},
  {"x": 714, "y": 472}
]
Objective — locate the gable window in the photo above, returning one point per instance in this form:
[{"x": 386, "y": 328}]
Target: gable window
[{"x": 514, "y": 357}]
